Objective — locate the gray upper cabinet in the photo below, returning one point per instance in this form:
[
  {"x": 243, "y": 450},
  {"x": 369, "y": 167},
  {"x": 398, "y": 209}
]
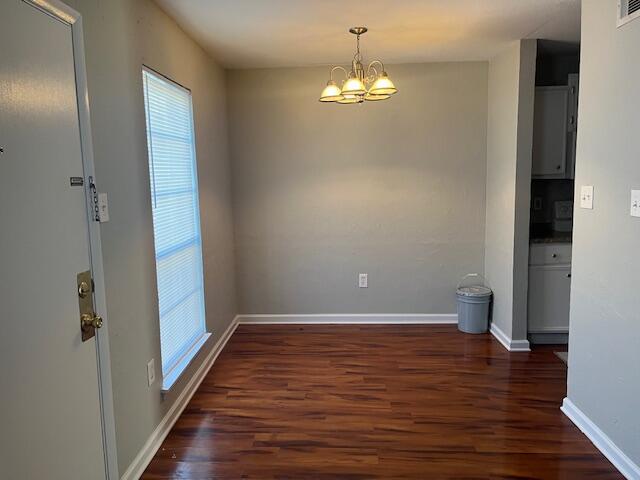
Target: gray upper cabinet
[{"x": 551, "y": 132}]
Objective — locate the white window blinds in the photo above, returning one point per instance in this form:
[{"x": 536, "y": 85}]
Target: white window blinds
[{"x": 176, "y": 218}]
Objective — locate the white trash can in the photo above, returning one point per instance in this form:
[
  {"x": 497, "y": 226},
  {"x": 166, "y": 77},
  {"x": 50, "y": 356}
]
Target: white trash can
[{"x": 473, "y": 306}]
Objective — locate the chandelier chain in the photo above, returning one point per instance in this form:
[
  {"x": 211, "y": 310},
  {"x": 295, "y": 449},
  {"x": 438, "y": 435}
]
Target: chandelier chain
[{"x": 357, "y": 56}]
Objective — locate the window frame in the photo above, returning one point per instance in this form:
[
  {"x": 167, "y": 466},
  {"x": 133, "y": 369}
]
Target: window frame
[{"x": 186, "y": 356}]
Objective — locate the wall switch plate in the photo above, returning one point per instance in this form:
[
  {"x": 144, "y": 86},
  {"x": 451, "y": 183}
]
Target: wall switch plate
[
  {"x": 537, "y": 203},
  {"x": 586, "y": 197},
  {"x": 635, "y": 203},
  {"x": 363, "y": 280},
  {"x": 151, "y": 371},
  {"x": 103, "y": 207}
]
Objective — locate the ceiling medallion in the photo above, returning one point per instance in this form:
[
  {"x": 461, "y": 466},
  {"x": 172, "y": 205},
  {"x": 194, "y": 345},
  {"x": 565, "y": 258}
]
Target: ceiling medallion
[{"x": 354, "y": 87}]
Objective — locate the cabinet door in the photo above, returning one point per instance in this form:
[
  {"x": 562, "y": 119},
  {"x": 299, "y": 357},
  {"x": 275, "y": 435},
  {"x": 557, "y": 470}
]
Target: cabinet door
[
  {"x": 549, "y": 291},
  {"x": 574, "y": 84},
  {"x": 550, "y": 126}
]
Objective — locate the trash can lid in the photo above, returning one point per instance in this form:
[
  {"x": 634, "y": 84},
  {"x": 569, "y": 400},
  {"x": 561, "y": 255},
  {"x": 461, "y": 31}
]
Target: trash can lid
[{"x": 474, "y": 291}]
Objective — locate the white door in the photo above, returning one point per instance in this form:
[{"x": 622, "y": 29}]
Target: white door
[{"x": 50, "y": 424}]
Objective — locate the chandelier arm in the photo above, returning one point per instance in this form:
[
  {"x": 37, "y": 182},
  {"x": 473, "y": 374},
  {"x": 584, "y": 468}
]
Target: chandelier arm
[
  {"x": 337, "y": 67},
  {"x": 371, "y": 78},
  {"x": 371, "y": 66}
]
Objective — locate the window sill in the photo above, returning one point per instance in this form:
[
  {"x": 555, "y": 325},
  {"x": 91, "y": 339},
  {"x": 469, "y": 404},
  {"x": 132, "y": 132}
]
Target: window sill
[{"x": 174, "y": 375}]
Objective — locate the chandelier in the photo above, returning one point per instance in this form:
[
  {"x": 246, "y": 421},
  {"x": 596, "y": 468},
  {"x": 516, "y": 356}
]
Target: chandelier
[{"x": 354, "y": 87}]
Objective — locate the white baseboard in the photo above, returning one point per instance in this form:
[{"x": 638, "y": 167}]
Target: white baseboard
[
  {"x": 601, "y": 441},
  {"x": 149, "y": 449},
  {"x": 507, "y": 342},
  {"x": 352, "y": 318}
]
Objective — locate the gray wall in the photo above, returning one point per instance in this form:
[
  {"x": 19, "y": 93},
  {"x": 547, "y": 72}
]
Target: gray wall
[
  {"x": 526, "y": 96},
  {"x": 322, "y": 192},
  {"x": 604, "y": 332},
  {"x": 121, "y": 36},
  {"x": 509, "y": 131}
]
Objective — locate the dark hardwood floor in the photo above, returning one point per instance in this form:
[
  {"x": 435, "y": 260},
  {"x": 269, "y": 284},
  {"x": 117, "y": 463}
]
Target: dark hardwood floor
[{"x": 375, "y": 401}]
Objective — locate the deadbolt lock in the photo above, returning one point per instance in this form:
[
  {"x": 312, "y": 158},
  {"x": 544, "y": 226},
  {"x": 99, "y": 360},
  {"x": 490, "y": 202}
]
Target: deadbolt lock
[
  {"x": 83, "y": 289},
  {"x": 89, "y": 321}
]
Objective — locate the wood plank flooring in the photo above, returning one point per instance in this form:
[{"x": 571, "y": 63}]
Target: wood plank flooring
[{"x": 377, "y": 401}]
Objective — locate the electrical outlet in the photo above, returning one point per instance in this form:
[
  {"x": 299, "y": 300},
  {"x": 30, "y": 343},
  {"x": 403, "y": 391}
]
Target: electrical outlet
[
  {"x": 635, "y": 203},
  {"x": 151, "y": 371},
  {"x": 363, "y": 280},
  {"x": 586, "y": 197}
]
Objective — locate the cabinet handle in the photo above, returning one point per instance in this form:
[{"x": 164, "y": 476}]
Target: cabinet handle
[
  {"x": 555, "y": 255},
  {"x": 558, "y": 167},
  {"x": 568, "y": 275}
]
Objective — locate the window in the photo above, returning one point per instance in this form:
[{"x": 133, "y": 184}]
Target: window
[{"x": 176, "y": 222}]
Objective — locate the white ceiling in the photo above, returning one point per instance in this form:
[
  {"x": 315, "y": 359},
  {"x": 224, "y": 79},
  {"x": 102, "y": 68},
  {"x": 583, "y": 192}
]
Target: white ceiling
[{"x": 278, "y": 33}]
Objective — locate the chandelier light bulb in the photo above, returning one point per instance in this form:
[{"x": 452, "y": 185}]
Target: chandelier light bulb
[
  {"x": 374, "y": 97},
  {"x": 346, "y": 99},
  {"x": 383, "y": 85},
  {"x": 353, "y": 86},
  {"x": 331, "y": 92}
]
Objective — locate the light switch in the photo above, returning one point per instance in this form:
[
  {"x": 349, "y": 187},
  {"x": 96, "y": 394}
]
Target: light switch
[
  {"x": 635, "y": 203},
  {"x": 586, "y": 197},
  {"x": 363, "y": 280}
]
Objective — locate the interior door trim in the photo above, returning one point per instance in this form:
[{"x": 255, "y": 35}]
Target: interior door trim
[{"x": 66, "y": 14}]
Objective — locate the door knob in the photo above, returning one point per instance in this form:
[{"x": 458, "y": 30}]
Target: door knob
[{"x": 88, "y": 320}]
